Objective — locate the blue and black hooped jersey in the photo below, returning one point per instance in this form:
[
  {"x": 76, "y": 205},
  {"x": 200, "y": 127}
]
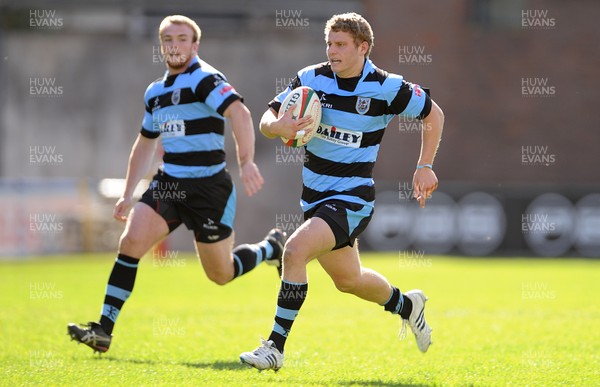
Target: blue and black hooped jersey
[
  {"x": 341, "y": 156},
  {"x": 187, "y": 111}
]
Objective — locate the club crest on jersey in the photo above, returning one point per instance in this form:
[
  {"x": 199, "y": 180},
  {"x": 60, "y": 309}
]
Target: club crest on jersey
[
  {"x": 176, "y": 96},
  {"x": 362, "y": 105}
]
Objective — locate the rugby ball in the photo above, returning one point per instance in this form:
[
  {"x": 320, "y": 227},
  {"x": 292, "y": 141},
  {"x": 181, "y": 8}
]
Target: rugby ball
[{"x": 306, "y": 103}]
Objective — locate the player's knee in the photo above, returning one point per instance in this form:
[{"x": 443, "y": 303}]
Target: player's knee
[
  {"x": 129, "y": 240},
  {"x": 292, "y": 255},
  {"x": 345, "y": 284},
  {"x": 219, "y": 277}
]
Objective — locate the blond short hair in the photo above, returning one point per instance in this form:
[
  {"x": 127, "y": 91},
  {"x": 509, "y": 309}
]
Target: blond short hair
[
  {"x": 180, "y": 19},
  {"x": 355, "y": 24}
]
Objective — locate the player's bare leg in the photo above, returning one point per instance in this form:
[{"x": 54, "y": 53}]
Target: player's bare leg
[
  {"x": 348, "y": 275},
  {"x": 312, "y": 239},
  {"x": 217, "y": 260},
  {"x": 143, "y": 230},
  {"x": 345, "y": 269},
  {"x": 223, "y": 263}
]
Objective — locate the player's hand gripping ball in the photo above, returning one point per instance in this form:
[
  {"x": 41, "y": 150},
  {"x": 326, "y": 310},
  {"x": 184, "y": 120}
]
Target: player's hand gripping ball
[{"x": 306, "y": 103}]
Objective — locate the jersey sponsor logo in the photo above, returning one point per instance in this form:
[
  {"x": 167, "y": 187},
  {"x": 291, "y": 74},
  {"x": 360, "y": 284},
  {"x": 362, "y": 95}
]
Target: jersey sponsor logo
[
  {"x": 176, "y": 96},
  {"x": 339, "y": 136},
  {"x": 172, "y": 128},
  {"x": 362, "y": 105}
]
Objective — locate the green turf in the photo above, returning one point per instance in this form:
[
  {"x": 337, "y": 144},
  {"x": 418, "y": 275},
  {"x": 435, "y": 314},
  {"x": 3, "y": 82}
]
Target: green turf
[{"x": 496, "y": 322}]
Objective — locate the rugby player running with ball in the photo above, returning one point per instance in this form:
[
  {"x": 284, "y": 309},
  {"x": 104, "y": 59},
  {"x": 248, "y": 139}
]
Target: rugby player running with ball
[{"x": 358, "y": 101}]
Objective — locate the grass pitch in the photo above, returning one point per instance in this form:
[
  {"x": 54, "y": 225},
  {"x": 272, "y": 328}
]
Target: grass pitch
[{"x": 495, "y": 322}]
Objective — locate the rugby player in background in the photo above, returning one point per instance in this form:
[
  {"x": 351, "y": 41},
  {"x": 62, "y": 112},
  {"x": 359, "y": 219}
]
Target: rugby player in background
[{"x": 186, "y": 108}]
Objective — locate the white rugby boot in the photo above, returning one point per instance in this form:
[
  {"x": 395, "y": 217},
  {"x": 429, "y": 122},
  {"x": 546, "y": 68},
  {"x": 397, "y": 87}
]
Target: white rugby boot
[
  {"x": 416, "y": 320},
  {"x": 265, "y": 357}
]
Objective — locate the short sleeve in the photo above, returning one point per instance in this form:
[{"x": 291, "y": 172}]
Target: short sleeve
[
  {"x": 216, "y": 92},
  {"x": 149, "y": 130},
  {"x": 411, "y": 101}
]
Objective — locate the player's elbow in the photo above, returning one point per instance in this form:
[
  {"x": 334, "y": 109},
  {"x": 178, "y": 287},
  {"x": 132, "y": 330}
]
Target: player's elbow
[
  {"x": 266, "y": 122},
  {"x": 264, "y": 129}
]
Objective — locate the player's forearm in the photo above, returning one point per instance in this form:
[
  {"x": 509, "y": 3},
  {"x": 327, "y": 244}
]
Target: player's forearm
[
  {"x": 431, "y": 134},
  {"x": 140, "y": 158},
  {"x": 243, "y": 133}
]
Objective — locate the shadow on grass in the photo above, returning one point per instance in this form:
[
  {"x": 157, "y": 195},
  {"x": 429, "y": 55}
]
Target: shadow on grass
[
  {"x": 217, "y": 365},
  {"x": 237, "y": 366},
  {"x": 379, "y": 383}
]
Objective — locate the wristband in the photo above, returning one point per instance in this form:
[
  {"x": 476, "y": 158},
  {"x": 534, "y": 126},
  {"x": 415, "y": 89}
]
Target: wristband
[{"x": 425, "y": 166}]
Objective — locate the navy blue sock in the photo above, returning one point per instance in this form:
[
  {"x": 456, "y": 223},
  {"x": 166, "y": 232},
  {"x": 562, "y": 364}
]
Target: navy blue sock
[
  {"x": 118, "y": 289},
  {"x": 398, "y": 304},
  {"x": 290, "y": 300},
  {"x": 246, "y": 257}
]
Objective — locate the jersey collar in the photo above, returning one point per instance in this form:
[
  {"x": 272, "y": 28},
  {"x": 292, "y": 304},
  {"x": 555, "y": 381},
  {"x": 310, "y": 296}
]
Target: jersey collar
[
  {"x": 194, "y": 65},
  {"x": 368, "y": 67}
]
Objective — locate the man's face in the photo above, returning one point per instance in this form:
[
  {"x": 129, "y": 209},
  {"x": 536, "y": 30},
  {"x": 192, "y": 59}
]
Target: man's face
[
  {"x": 345, "y": 57},
  {"x": 178, "y": 46}
]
